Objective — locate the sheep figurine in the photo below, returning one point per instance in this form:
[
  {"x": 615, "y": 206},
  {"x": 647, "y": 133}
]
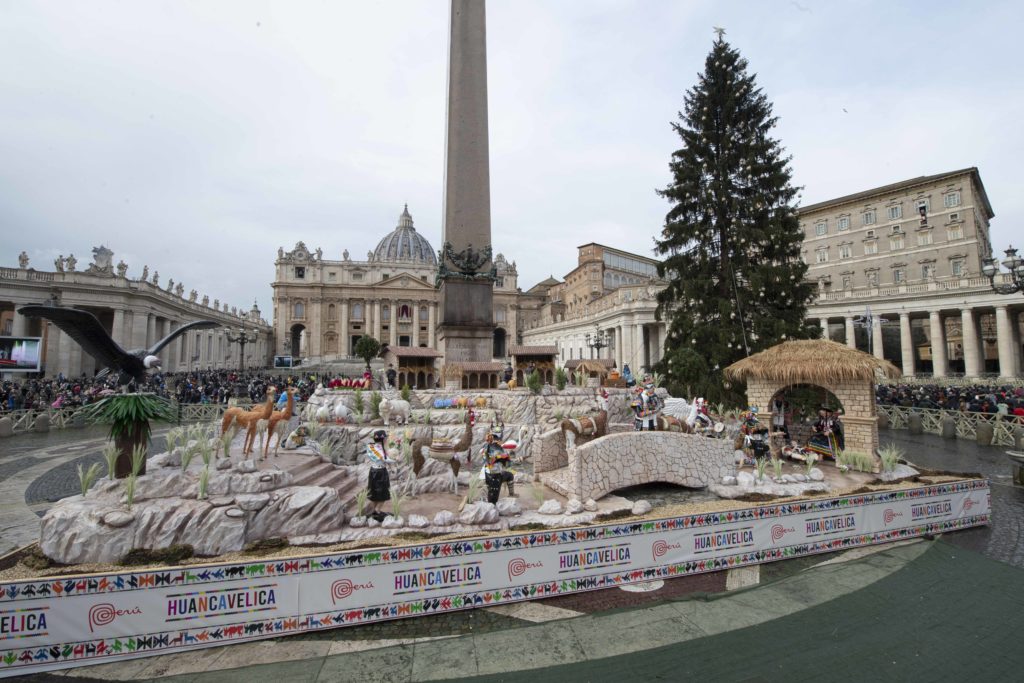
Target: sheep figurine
[{"x": 395, "y": 409}]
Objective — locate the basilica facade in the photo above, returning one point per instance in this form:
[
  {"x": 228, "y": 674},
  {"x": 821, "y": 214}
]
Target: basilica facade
[{"x": 322, "y": 306}]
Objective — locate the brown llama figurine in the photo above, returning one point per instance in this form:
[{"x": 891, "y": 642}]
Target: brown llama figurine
[{"x": 246, "y": 419}]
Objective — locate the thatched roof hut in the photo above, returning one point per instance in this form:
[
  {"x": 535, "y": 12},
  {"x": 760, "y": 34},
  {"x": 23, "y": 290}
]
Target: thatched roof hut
[
  {"x": 811, "y": 361},
  {"x": 593, "y": 367}
]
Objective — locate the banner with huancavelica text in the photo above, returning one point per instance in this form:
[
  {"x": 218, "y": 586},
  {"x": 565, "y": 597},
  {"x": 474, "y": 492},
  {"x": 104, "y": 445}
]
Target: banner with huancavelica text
[{"x": 62, "y": 622}]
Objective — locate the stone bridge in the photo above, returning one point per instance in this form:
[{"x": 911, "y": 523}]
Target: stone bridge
[{"x": 626, "y": 459}]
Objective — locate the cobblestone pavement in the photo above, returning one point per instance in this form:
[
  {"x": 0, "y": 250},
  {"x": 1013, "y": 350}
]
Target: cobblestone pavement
[{"x": 1004, "y": 539}]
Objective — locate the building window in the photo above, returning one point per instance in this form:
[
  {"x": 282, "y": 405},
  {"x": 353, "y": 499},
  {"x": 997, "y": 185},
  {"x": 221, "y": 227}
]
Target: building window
[
  {"x": 821, "y": 255},
  {"x": 895, "y": 212},
  {"x": 299, "y": 311},
  {"x": 424, "y": 314},
  {"x": 895, "y": 242},
  {"x": 956, "y": 266},
  {"x": 332, "y": 276},
  {"x": 955, "y": 232},
  {"x": 844, "y": 222},
  {"x": 331, "y": 312},
  {"x": 821, "y": 228},
  {"x": 404, "y": 313},
  {"x": 385, "y": 313},
  {"x": 898, "y": 275},
  {"x": 300, "y": 272},
  {"x": 870, "y": 248},
  {"x": 924, "y": 238},
  {"x": 357, "y": 277},
  {"x": 869, "y": 217},
  {"x": 954, "y": 217},
  {"x": 872, "y": 278},
  {"x": 951, "y": 199},
  {"x": 923, "y": 203},
  {"x": 927, "y": 271},
  {"x": 357, "y": 311},
  {"x": 845, "y": 251}
]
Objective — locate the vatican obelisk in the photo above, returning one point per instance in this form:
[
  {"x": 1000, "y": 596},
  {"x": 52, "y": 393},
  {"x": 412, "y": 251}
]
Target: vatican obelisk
[{"x": 466, "y": 271}]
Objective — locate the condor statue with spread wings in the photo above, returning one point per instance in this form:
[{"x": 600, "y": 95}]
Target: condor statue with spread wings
[{"x": 88, "y": 331}]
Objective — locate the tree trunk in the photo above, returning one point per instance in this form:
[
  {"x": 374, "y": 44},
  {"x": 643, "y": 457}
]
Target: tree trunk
[{"x": 135, "y": 435}]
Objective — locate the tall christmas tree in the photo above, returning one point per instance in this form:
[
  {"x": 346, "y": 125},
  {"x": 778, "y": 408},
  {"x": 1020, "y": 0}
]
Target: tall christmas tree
[{"x": 731, "y": 242}]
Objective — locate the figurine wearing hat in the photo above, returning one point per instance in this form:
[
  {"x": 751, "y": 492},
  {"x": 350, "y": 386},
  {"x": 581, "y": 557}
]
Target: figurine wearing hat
[
  {"x": 827, "y": 439},
  {"x": 379, "y": 481},
  {"x": 646, "y": 407},
  {"x": 496, "y": 464}
]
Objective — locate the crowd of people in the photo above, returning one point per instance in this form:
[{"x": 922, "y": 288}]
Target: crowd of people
[
  {"x": 977, "y": 398},
  {"x": 200, "y": 387}
]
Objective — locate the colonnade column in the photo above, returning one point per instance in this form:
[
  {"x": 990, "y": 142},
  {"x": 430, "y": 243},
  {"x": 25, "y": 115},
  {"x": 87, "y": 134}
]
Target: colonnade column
[
  {"x": 877, "y": 345},
  {"x": 1004, "y": 341},
  {"x": 345, "y": 336},
  {"x": 938, "y": 342},
  {"x": 139, "y": 327},
  {"x": 19, "y": 323},
  {"x": 117, "y": 327},
  {"x": 641, "y": 347},
  {"x": 376, "y": 320},
  {"x": 431, "y": 324},
  {"x": 150, "y": 330},
  {"x": 851, "y": 336},
  {"x": 823, "y": 323},
  {"x": 906, "y": 345},
  {"x": 969, "y": 334},
  {"x": 415, "y": 312},
  {"x": 393, "y": 323}
]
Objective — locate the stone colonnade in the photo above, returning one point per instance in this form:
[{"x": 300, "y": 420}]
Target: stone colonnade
[{"x": 940, "y": 337}]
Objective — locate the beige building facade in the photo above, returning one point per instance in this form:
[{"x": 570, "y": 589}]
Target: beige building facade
[
  {"x": 611, "y": 295},
  {"x": 136, "y": 312},
  {"x": 322, "y": 306},
  {"x": 898, "y": 270}
]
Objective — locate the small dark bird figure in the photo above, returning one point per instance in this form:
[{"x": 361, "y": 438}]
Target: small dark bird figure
[{"x": 88, "y": 331}]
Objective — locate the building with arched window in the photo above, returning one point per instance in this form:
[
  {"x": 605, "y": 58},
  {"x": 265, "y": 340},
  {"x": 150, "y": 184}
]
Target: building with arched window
[{"x": 323, "y": 306}]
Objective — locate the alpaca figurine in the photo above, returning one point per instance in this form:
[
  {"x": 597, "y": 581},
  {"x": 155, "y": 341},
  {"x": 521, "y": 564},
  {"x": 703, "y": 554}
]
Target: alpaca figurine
[
  {"x": 276, "y": 420},
  {"x": 237, "y": 418}
]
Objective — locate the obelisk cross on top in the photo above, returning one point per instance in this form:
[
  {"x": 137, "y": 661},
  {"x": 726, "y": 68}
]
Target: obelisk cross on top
[{"x": 466, "y": 272}]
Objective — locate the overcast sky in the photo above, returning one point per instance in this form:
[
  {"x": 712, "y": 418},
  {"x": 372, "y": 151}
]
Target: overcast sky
[{"x": 197, "y": 137}]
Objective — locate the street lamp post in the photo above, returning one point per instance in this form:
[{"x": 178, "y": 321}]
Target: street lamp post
[
  {"x": 243, "y": 337},
  {"x": 599, "y": 340},
  {"x": 1015, "y": 267}
]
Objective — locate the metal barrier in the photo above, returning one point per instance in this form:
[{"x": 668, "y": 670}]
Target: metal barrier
[
  {"x": 966, "y": 423},
  {"x": 66, "y": 418}
]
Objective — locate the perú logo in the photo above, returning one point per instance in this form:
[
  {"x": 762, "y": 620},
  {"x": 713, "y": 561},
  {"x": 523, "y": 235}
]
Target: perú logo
[
  {"x": 342, "y": 588},
  {"x": 517, "y": 566},
  {"x": 889, "y": 514},
  {"x": 661, "y": 548},
  {"x": 779, "y": 532},
  {"x": 969, "y": 503},
  {"x": 105, "y": 613}
]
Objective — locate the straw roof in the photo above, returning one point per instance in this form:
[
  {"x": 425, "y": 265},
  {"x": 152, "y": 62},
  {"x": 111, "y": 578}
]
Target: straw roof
[
  {"x": 812, "y": 361},
  {"x": 595, "y": 366}
]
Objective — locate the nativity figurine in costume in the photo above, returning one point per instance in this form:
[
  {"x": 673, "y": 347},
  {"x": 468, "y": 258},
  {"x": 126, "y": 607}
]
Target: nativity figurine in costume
[
  {"x": 646, "y": 408},
  {"x": 379, "y": 480},
  {"x": 827, "y": 439},
  {"x": 497, "y": 462},
  {"x": 753, "y": 438}
]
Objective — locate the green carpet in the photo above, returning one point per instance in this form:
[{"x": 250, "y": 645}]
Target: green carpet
[{"x": 949, "y": 615}]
